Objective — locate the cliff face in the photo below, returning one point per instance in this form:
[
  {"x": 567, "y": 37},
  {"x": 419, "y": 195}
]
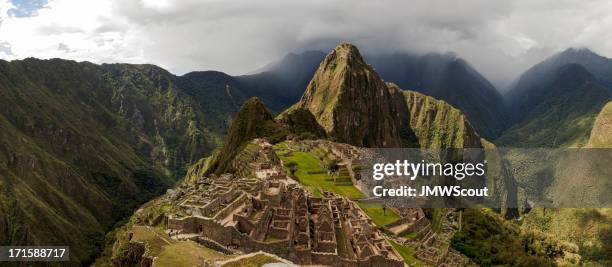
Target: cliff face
[
  {"x": 437, "y": 124},
  {"x": 351, "y": 102}
]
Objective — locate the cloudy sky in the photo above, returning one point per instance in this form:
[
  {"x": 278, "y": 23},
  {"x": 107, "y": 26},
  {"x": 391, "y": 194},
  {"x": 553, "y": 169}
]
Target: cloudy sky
[{"x": 499, "y": 38}]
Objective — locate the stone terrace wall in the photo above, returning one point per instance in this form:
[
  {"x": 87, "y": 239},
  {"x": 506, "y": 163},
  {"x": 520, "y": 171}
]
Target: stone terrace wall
[
  {"x": 333, "y": 259},
  {"x": 420, "y": 223},
  {"x": 232, "y": 207},
  {"x": 187, "y": 225},
  {"x": 399, "y": 222}
]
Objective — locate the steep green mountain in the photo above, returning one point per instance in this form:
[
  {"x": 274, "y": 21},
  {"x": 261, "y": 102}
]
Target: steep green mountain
[
  {"x": 449, "y": 78},
  {"x": 218, "y": 95},
  {"x": 81, "y": 145},
  {"x": 543, "y": 72},
  {"x": 444, "y": 77},
  {"x": 351, "y": 102},
  {"x": 526, "y": 91},
  {"x": 252, "y": 121},
  {"x": 557, "y": 111},
  {"x": 301, "y": 122},
  {"x": 437, "y": 124},
  {"x": 355, "y": 106}
]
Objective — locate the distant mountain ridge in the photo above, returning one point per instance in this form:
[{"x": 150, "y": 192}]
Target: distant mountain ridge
[
  {"x": 282, "y": 83},
  {"x": 449, "y": 78},
  {"x": 555, "y": 102},
  {"x": 543, "y": 73}
]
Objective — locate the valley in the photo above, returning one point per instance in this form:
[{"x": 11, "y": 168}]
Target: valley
[{"x": 92, "y": 143}]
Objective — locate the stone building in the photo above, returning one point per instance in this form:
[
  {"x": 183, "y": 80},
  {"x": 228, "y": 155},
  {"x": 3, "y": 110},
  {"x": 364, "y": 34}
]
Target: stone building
[{"x": 280, "y": 217}]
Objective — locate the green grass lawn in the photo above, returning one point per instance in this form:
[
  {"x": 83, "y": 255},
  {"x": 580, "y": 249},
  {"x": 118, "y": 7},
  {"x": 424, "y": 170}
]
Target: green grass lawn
[
  {"x": 255, "y": 261},
  {"x": 410, "y": 235},
  {"x": 271, "y": 239},
  {"x": 154, "y": 238},
  {"x": 307, "y": 162},
  {"x": 375, "y": 211},
  {"x": 170, "y": 252},
  {"x": 187, "y": 253},
  {"x": 407, "y": 253}
]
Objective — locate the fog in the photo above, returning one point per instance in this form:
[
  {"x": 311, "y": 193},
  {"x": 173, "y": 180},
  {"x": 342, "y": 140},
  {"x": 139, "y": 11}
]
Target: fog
[{"x": 499, "y": 38}]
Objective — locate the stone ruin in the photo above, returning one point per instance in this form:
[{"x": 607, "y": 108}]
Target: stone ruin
[
  {"x": 274, "y": 214},
  {"x": 279, "y": 216}
]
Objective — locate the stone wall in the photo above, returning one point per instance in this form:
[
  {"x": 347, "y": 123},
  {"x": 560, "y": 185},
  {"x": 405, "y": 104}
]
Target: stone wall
[
  {"x": 400, "y": 221},
  {"x": 333, "y": 259},
  {"x": 213, "y": 245},
  {"x": 186, "y": 225},
  {"x": 420, "y": 223},
  {"x": 229, "y": 209}
]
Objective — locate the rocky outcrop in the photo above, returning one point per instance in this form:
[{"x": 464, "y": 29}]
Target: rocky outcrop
[{"x": 351, "y": 102}]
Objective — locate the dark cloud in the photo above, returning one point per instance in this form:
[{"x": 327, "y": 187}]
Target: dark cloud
[{"x": 499, "y": 38}]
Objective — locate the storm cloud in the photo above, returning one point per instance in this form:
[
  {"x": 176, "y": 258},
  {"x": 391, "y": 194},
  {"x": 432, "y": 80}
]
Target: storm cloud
[{"x": 499, "y": 38}]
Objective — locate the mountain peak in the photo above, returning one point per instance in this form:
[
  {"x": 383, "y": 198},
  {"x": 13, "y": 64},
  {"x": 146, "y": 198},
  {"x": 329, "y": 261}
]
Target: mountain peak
[
  {"x": 348, "y": 53},
  {"x": 351, "y": 102},
  {"x": 578, "y": 51},
  {"x": 347, "y": 48},
  {"x": 253, "y": 120}
]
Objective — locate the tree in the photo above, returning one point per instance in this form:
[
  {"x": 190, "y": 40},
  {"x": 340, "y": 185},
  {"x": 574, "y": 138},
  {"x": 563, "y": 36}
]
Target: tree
[{"x": 331, "y": 165}]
